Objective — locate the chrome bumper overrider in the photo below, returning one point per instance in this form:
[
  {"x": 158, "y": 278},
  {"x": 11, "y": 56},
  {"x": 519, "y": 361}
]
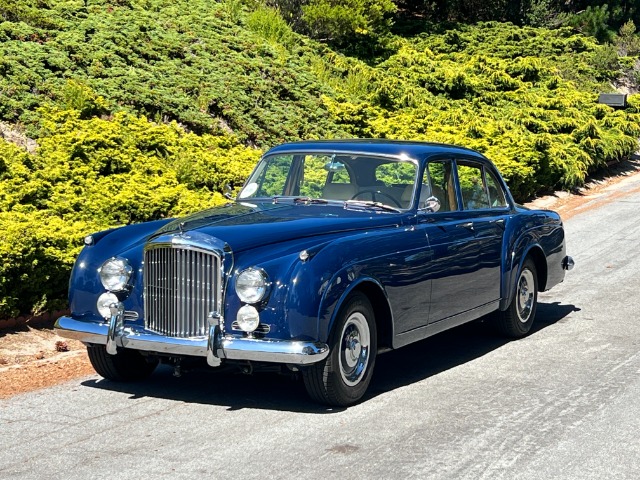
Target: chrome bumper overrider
[
  {"x": 215, "y": 347},
  {"x": 568, "y": 263}
]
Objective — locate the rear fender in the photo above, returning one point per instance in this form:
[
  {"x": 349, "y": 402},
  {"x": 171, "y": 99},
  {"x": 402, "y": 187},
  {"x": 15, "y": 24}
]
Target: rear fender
[{"x": 526, "y": 247}]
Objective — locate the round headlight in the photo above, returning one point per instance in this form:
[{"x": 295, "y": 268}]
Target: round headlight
[
  {"x": 248, "y": 318},
  {"x": 251, "y": 285},
  {"x": 104, "y": 302},
  {"x": 115, "y": 274}
]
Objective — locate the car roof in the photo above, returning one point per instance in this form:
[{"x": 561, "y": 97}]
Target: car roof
[{"x": 396, "y": 148}]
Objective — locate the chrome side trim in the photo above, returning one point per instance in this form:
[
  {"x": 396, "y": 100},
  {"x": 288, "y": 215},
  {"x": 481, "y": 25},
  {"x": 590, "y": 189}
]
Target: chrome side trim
[{"x": 222, "y": 347}]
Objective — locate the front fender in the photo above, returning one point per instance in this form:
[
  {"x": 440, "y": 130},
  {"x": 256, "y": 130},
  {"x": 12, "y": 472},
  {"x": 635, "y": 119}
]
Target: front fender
[
  {"x": 336, "y": 294},
  {"x": 308, "y": 289},
  {"x": 296, "y": 289}
]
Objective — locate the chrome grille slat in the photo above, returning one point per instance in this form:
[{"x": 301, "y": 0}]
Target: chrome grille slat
[{"x": 180, "y": 289}]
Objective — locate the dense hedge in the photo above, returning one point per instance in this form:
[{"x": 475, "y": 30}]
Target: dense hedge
[
  {"x": 193, "y": 61},
  {"x": 496, "y": 88},
  {"x": 89, "y": 175},
  {"x": 143, "y": 109}
]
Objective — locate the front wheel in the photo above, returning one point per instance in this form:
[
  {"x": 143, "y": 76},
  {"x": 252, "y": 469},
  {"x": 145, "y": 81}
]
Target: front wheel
[
  {"x": 124, "y": 366},
  {"x": 517, "y": 319},
  {"x": 344, "y": 376}
]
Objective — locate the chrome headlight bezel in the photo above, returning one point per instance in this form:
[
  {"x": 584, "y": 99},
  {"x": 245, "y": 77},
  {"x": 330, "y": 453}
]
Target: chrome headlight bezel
[
  {"x": 115, "y": 274},
  {"x": 252, "y": 285}
]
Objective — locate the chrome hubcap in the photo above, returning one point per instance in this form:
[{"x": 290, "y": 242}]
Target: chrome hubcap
[
  {"x": 354, "y": 349},
  {"x": 526, "y": 293}
]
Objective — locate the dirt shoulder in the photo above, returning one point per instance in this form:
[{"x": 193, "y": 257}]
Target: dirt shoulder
[
  {"x": 611, "y": 183},
  {"x": 34, "y": 357}
]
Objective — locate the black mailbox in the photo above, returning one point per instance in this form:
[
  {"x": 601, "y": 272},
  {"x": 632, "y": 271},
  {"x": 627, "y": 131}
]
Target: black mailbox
[{"x": 613, "y": 99}]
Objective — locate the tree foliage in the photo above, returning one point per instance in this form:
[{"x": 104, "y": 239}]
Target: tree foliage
[{"x": 592, "y": 16}]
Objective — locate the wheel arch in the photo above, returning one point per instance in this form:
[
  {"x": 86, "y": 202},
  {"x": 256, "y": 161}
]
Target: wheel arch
[
  {"x": 535, "y": 252},
  {"x": 377, "y": 296},
  {"x": 382, "y": 311},
  {"x": 540, "y": 261}
]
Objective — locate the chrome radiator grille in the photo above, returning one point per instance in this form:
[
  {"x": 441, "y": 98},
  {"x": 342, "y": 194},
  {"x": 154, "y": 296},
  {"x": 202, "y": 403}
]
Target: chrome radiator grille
[{"x": 181, "y": 287}]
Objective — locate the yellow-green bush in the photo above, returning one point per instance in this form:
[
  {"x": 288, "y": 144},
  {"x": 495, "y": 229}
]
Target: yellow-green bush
[
  {"x": 93, "y": 174},
  {"x": 496, "y": 88}
]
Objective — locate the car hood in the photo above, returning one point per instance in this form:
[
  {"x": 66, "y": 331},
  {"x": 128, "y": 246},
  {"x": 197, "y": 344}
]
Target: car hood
[{"x": 243, "y": 226}]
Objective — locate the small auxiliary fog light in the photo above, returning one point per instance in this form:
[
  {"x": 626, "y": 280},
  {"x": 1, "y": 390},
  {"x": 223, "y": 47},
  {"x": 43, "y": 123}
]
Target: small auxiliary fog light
[
  {"x": 104, "y": 302},
  {"x": 248, "y": 318}
]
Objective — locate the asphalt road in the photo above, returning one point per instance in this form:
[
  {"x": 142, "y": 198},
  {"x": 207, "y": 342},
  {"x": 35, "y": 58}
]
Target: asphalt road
[{"x": 563, "y": 403}]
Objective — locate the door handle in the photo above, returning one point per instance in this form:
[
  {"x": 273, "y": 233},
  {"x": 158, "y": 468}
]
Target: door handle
[
  {"x": 499, "y": 222},
  {"x": 467, "y": 225}
]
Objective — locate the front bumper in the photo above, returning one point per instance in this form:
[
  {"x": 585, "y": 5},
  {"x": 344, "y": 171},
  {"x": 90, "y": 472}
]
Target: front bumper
[{"x": 215, "y": 347}]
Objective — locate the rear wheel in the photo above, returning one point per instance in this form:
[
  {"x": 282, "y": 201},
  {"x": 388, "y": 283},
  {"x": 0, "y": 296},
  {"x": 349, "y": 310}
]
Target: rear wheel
[
  {"x": 516, "y": 321},
  {"x": 344, "y": 376},
  {"x": 124, "y": 366}
]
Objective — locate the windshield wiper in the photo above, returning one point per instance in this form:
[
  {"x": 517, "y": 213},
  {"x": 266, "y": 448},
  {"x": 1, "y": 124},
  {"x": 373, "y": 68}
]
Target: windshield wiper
[
  {"x": 370, "y": 204},
  {"x": 301, "y": 200}
]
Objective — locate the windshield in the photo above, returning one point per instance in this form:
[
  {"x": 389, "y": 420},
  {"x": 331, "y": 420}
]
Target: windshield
[{"x": 363, "y": 179}]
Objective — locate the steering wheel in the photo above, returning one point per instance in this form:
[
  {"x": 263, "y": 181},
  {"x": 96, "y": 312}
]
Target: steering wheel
[{"x": 373, "y": 196}]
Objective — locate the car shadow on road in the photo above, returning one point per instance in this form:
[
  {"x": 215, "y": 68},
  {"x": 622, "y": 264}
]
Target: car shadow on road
[
  {"x": 395, "y": 369},
  {"x": 452, "y": 348}
]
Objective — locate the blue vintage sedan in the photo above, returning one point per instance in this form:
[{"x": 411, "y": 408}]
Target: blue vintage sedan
[{"x": 332, "y": 252}]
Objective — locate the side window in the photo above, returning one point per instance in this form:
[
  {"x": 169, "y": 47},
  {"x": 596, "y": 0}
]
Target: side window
[
  {"x": 439, "y": 176},
  {"x": 496, "y": 194},
  {"x": 472, "y": 187}
]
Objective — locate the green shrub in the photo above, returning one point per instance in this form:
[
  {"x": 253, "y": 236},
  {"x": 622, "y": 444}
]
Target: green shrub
[
  {"x": 268, "y": 23},
  {"x": 92, "y": 174},
  {"x": 628, "y": 42},
  {"x": 37, "y": 251},
  {"x": 499, "y": 92},
  {"x": 357, "y": 25}
]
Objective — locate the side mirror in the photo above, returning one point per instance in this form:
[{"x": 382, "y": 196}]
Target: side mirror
[
  {"x": 431, "y": 204},
  {"x": 228, "y": 192}
]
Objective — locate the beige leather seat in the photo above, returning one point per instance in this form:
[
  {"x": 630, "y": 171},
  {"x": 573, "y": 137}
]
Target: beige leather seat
[
  {"x": 425, "y": 192},
  {"x": 339, "y": 191}
]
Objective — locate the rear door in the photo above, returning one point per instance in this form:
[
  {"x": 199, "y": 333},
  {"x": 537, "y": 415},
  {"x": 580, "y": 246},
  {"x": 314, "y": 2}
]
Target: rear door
[
  {"x": 465, "y": 236},
  {"x": 485, "y": 208}
]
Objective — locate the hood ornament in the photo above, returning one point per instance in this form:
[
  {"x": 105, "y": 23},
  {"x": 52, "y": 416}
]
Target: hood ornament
[{"x": 181, "y": 228}]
